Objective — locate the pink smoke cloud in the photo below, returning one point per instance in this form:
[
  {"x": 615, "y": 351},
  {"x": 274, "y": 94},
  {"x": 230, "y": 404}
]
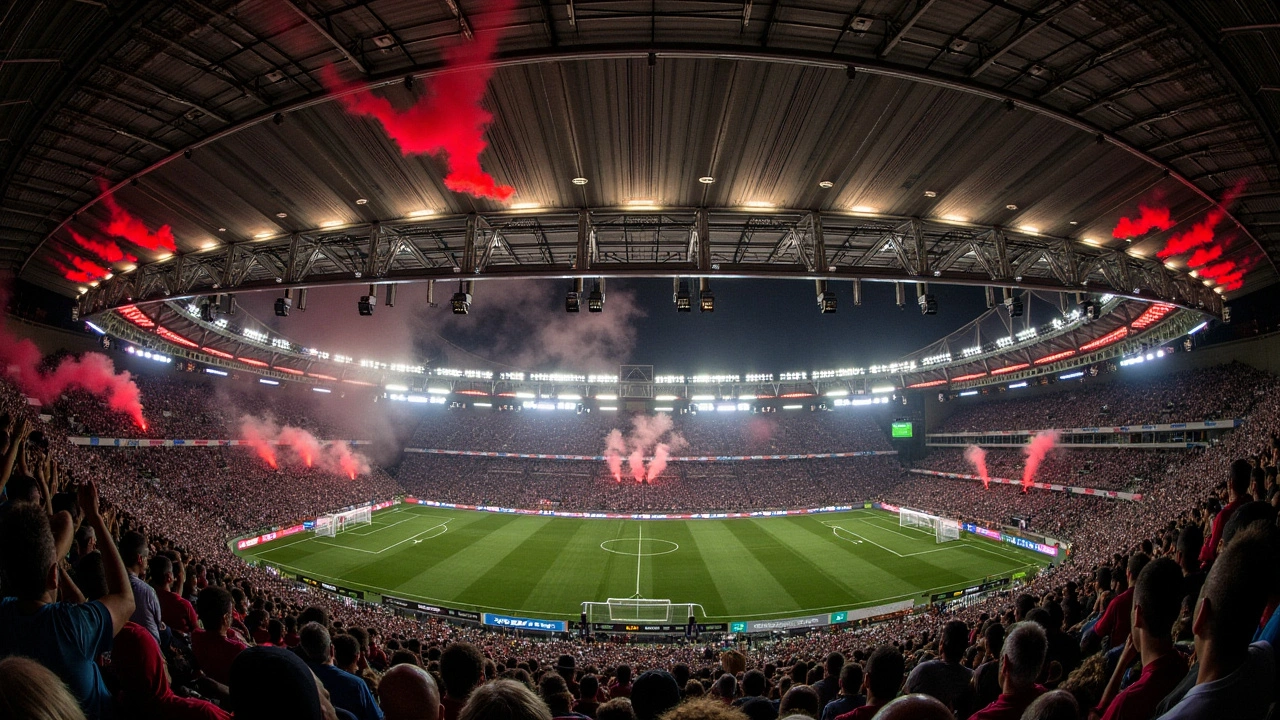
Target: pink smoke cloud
[
  {"x": 108, "y": 250},
  {"x": 448, "y": 118},
  {"x": 261, "y": 434},
  {"x": 614, "y": 447},
  {"x": 1148, "y": 219},
  {"x": 977, "y": 457},
  {"x": 125, "y": 225},
  {"x": 303, "y": 445},
  {"x": 304, "y": 449},
  {"x": 91, "y": 372},
  {"x": 648, "y": 434},
  {"x": 1040, "y": 445}
]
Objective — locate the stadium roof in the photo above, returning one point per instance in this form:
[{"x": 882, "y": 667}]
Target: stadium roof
[{"x": 1060, "y": 116}]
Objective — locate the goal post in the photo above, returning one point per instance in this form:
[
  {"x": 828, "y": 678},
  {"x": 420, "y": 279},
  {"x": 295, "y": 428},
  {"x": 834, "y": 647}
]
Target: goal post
[
  {"x": 333, "y": 523},
  {"x": 944, "y": 529},
  {"x": 641, "y": 610}
]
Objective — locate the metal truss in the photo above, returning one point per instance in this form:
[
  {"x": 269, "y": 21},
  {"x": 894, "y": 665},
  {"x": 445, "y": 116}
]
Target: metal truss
[{"x": 612, "y": 242}]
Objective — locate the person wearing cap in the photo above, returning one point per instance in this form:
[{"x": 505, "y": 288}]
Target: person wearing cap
[
  {"x": 653, "y": 693},
  {"x": 269, "y": 683},
  {"x": 565, "y": 668}
]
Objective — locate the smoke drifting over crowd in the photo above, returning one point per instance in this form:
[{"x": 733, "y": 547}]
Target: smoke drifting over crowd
[
  {"x": 123, "y": 225},
  {"x": 448, "y": 118},
  {"x": 91, "y": 372},
  {"x": 1201, "y": 241},
  {"x": 1040, "y": 445},
  {"x": 977, "y": 457},
  {"x": 648, "y": 435},
  {"x": 299, "y": 448}
]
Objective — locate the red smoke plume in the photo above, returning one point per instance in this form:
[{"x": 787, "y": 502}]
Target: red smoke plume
[
  {"x": 92, "y": 372},
  {"x": 647, "y": 434},
  {"x": 108, "y": 250},
  {"x": 1204, "y": 256},
  {"x": 977, "y": 457},
  {"x": 448, "y": 118},
  {"x": 1200, "y": 234},
  {"x": 265, "y": 437},
  {"x": 1148, "y": 219},
  {"x": 1040, "y": 445},
  {"x": 125, "y": 225},
  {"x": 86, "y": 267},
  {"x": 71, "y": 274}
]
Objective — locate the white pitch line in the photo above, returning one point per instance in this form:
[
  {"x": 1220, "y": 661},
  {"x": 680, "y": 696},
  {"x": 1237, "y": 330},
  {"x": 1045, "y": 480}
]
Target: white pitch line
[
  {"x": 639, "y": 557},
  {"x": 882, "y": 547},
  {"x": 444, "y": 525}
]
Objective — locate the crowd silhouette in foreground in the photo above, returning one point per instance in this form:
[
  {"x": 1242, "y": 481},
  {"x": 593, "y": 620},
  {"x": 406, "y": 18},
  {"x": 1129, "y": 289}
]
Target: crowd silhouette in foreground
[{"x": 122, "y": 600}]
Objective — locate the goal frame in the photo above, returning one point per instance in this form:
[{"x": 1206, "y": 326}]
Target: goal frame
[
  {"x": 333, "y": 523},
  {"x": 641, "y": 610},
  {"x": 944, "y": 529}
]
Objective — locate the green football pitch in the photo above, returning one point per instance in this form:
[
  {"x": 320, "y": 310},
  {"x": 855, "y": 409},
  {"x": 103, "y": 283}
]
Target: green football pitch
[{"x": 546, "y": 567}]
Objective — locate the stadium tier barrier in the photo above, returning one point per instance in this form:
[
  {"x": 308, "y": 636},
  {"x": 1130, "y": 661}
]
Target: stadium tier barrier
[
  {"x": 411, "y": 500},
  {"x": 91, "y": 441},
  {"x": 1054, "y": 487},
  {"x": 1104, "y": 429},
  {"x": 674, "y": 458}
]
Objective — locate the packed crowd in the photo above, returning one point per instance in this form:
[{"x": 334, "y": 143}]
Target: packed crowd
[
  {"x": 1102, "y": 468},
  {"x": 122, "y": 600},
  {"x": 682, "y": 487},
  {"x": 1219, "y": 392},
  {"x": 706, "y": 433}
]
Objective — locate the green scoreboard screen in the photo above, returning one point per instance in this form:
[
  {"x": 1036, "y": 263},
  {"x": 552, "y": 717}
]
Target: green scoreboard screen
[{"x": 901, "y": 429}]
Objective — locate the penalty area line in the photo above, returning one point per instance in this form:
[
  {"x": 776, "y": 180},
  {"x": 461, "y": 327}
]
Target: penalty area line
[{"x": 414, "y": 537}]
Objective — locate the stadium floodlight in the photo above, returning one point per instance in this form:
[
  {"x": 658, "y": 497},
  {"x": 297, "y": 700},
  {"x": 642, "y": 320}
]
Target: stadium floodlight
[
  {"x": 792, "y": 407},
  {"x": 881, "y": 389},
  {"x": 928, "y": 304},
  {"x": 837, "y": 393},
  {"x": 525, "y": 395},
  {"x": 268, "y": 381},
  {"x": 697, "y": 398},
  {"x": 326, "y": 391},
  {"x": 1014, "y": 306},
  {"x": 608, "y": 408},
  {"x": 397, "y": 388},
  {"x": 1090, "y": 309},
  {"x": 215, "y": 371},
  {"x": 595, "y": 301},
  {"x": 1192, "y": 331},
  {"x": 284, "y": 304},
  {"x": 681, "y": 297},
  {"x": 461, "y": 300},
  {"x": 368, "y": 302},
  {"x": 1072, "y": 375},
  {"x": 826, "y": 298},
  {"x": 609, "y": 396},
  {"x": 706, "y": 300},
  {"x": 899, "y": 295},
  {"x": 967, "y": 393},
  {"x": 663, "y": 409},
  {"x": 665, "y": 398},
  {"x": 573, "y": 300},
  {"x": 437, "y": 391},
  {"x": 568, "y": 396},
  {"x": 1017, "y": 385},
  {"x": 857, "y": 292}
]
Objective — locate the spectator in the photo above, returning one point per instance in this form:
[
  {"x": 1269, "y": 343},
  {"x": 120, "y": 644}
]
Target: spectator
[
  {"x": 1157, "y": 598},
  {"x": 703, "y": 709},
  {"x": 800, "y": 700},
  {"x": 986, "y": 678},
  {"x": 1238, "y": 489},
  {"x": 1020, "y": 665},
  {"x": 1053, "y": 705},
  {"x": 216, "y": 645},
  {"x": 849, "y": 697},
  {"x": 616, "y": 709},
  {"x": 1234, "y": 679},
  {"x": 653, "y": 693},
  {"x": 504, "y": 700},
  {"x": 29, "y": 690},
  {"x": 915, "y": 707},
  {"x": 272, "y": 683},
  {"x": 135, "y": 552},
  {"x": 407, "y": 692},
  {"x": 346, "y": 691},
  {"x": 64, "y": 637},
  {"x": 1114, "y": 626},
  {"x": 175, "y": 611},
  {"x": 829, "y": 685},
  {"x": 884, "y": 673},
  {"x": 144, "y": 682},
  {"x": 620, "y": 686},
  {"x": 945, "y": 678},
  {"x": 461, "y": 670}
]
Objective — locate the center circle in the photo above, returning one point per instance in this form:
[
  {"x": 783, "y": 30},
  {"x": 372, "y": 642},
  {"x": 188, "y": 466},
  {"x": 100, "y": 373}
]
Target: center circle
[{"x": 644, "y": 547}]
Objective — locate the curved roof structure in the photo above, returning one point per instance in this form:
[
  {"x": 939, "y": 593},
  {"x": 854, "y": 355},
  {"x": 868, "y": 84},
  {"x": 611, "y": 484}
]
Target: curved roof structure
[{"x": 1046, "y": 118}]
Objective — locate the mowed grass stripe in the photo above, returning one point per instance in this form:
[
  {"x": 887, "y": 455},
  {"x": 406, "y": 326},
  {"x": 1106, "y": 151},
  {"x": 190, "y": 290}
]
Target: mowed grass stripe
[
  {"x": 684, "y": 575},
  {"x": 806, "y": 582},
  {"x": 572, "y": 577},
  {"x": 453, "y": 560},
  {"x": 516, "y": 574},
  {"x": 744, "y": 584},
  {"x": 843, "y": 563}
]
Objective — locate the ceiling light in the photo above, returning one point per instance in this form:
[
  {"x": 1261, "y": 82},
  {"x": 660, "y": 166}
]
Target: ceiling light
[
  {"x": 1218, "y": 290},
  {"x": 93, "y": 284},
  {"x": 1194, "y": 273},
  {"x": 1089, "y": 241},
  {"x": 579, "y": 181},
  {"x": 422, "y": 213},
  {"x": 362, "y": 201},
  {"x": 222, "y": 229},
  {"x": 209, "y": 245},
  {"x": 1010, "y": 207},
  {"x": 1171, "y": 265},
  {"x": 757, "y": 204},
  {"x": 263, "y": 235},
  {"x": 1073, "y": 222},
  {"x": 129, "y": 268},
  {"x": 83, "y": 290},
  {"x": 706, "y": 179},
  {"x": 331, "y": 223},
  {"x": 1029, "y": 229},
  {"x": 640, "y": 202},
  {"x": 163, "y": 256},
  {"x": 282, "y": 215},
  {"x": 955, "y": 218},
  {"x": 930, "y": 193},
  {"x": 525, "y": 206},
  {"x": 826, "y": 184},
  {"x": 108, "y": 276},
  {"x": 864, "y": 209}
]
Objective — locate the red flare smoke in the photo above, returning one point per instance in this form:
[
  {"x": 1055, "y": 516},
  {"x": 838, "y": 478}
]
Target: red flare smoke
[
  {"x": 614, "y": 447},
  {"x": 448, "y": 118},
  {"x": 339, "y": 457},
  {"x": 1218, "y": 270},
  {"x": 91, "y": 372},
  {"x": 1040, "y": 445},
  {"x": 88, "y": 267},
  {"x": 646, "y": 435},
  {"x": 635, "y": 462},
  {"x": 304, "y": 446},
  {"x": 108, "y": 250},
  {"x": 659, "y": 462},
  {"x": 977, "y": 457},
  {"x": 72, "y": 275},
  {"x": 1200, "y": 234},
  {"x": 1148, "y": 219},
  {"x": 125, "y": 225},
  {"x": 259, "y": 434},
  {"x": 1204, "y": 256}
]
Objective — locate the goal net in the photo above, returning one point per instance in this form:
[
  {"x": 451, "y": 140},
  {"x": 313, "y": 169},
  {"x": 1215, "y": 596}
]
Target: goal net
[
  {"x": 944, "y": 529},
  {"x": 640, "y": 610},
  {"x": 332, "y": 524}
]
